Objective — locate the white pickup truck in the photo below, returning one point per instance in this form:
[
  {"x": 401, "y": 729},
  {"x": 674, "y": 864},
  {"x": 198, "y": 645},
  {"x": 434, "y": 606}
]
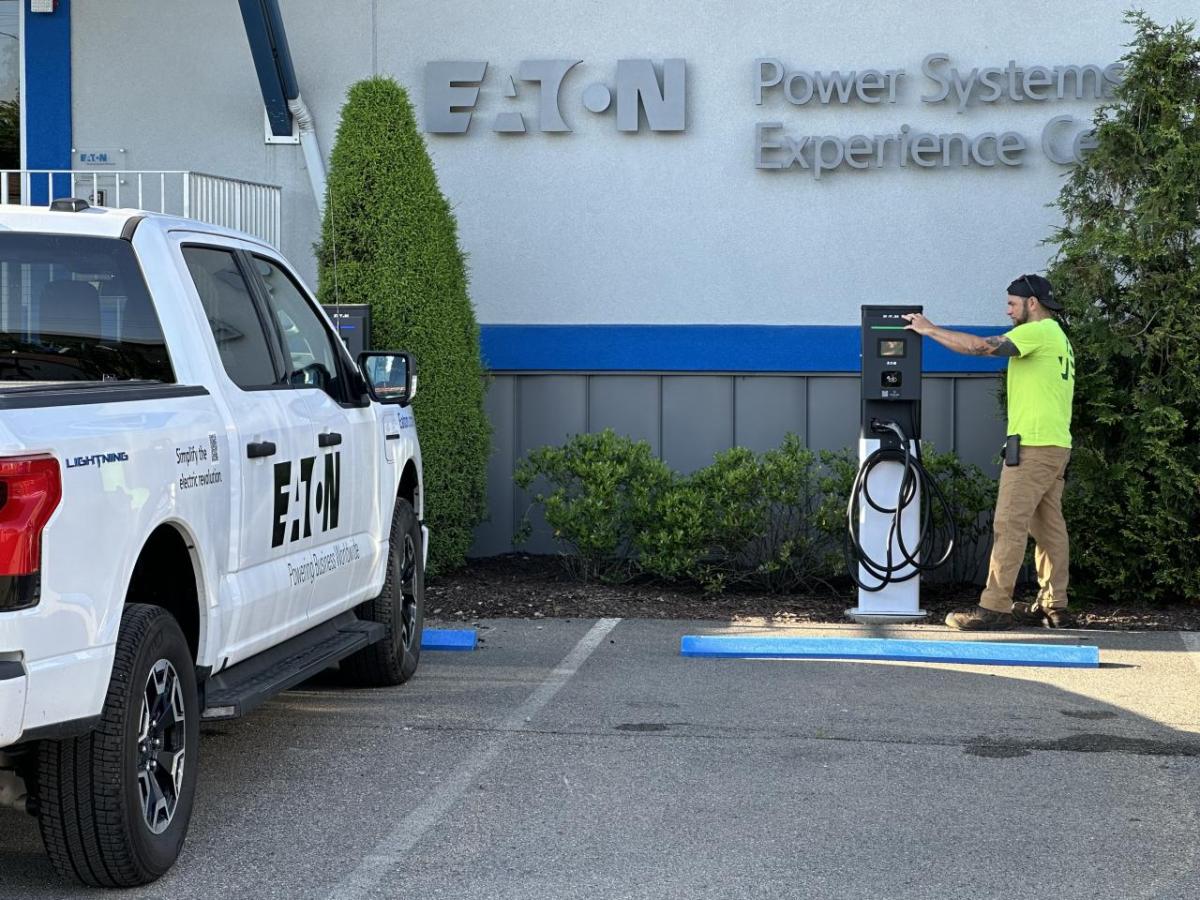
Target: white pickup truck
[{"x": 203, "y": 501}]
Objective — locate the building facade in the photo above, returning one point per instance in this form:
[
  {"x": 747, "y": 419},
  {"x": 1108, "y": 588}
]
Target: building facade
[{"x": 672, "y": 212}]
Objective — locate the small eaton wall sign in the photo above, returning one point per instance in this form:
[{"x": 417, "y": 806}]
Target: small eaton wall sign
[
  {"x": 96, "y": 159},
  {"x": 452, "y": 90}
]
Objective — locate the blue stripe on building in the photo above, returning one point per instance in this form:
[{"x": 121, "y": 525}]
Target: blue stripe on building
[
  {"x": 47, "y": 110},
  {"x": 699, "y": 348}
]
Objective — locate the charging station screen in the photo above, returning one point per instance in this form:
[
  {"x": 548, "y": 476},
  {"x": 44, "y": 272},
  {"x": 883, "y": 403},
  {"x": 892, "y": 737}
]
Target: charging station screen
[{"x": 891, "y": 348}]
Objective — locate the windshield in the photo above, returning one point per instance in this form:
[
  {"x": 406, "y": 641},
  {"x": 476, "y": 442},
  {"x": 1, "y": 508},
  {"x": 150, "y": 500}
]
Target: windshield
[{"x": 76, "y": 309}]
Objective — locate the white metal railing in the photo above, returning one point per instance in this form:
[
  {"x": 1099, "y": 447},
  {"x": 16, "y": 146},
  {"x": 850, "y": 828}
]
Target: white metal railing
[
  {"x": 248, "y": 206},
  {"x": 245, "y": 205}
]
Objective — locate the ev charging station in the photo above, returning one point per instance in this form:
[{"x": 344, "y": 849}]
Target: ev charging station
[
  {"x": 888, "y": 533},
  {"x": 891, "y": 537}
]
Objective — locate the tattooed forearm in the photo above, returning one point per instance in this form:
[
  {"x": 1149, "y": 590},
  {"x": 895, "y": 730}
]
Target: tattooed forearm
[{"x": 997, "y": 345}]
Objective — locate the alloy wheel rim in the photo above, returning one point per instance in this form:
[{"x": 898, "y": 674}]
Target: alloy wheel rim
[
  {"x": 408, "y": 591},
  {"x": 161, "y": 756}
]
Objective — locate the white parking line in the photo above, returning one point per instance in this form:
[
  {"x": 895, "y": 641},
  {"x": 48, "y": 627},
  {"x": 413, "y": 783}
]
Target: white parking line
[
  {"x": 394, "y": 846},
  {"x": 1191, "y": 640}
]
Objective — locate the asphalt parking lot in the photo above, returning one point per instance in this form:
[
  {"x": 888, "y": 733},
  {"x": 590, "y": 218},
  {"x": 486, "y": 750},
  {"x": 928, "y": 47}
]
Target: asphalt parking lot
[{"x": 569, "y": 759}]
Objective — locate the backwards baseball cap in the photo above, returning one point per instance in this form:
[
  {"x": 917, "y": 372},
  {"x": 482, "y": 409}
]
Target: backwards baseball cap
[{"x": 1038, "y": 287}]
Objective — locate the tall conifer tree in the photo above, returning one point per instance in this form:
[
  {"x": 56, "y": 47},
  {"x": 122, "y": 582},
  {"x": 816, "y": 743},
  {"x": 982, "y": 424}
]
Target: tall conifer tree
[
  {"x": 1128, "y": 270},
  {"x": 395, "y": 243}
]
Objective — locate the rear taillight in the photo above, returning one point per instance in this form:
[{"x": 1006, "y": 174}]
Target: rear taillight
[{"x": 30, "y": 489}]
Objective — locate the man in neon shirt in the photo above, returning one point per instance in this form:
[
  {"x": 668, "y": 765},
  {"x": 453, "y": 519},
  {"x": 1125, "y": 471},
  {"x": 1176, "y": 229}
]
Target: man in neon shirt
[{"x": 1041, "y": 386}]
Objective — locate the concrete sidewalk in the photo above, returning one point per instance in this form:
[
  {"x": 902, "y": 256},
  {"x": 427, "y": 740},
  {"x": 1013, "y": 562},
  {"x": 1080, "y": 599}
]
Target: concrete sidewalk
[{"x": 580, "y": 759}]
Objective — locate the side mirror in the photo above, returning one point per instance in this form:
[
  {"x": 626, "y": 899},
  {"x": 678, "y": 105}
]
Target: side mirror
[{"x": 391, "y": 376}]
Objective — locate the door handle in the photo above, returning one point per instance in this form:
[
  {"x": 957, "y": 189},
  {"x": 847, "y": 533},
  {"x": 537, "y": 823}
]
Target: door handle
[
  {"x": 256, "y": 450},
  {"x": 329, "y": 439}
]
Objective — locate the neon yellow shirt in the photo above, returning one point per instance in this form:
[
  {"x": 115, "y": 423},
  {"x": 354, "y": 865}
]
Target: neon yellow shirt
[{"x": 1041, "y": 384}]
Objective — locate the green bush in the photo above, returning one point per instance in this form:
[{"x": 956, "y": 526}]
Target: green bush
[
  {"x": 759, "y": 520},
  {"x": 678, "y": 543},
  {"x": 1128, "y": 271},
  {"x": 773, "y": 521},
  {"x": 10, "y": 134},
  {"x": 705, "y": 522},
  {"x": 775, "y": 526},
  {"x": 972, "y": 498},
  {"x": 389, "y": 240},
  {"x": 604, "y": 492}
]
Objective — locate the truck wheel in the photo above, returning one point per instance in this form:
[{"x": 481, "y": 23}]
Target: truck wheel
[
  {"x": 114, "y": 805},
  {"x": 400, "y": 607}
]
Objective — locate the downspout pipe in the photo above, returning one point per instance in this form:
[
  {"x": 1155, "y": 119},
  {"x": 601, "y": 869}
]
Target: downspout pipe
[
  {"x": 313, "y": 161},
  {"x": 280, "y": 89}
]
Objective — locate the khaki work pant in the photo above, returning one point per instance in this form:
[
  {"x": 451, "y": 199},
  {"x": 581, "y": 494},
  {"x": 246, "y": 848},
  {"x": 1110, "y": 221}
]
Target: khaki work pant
[{"x": 1029, "y": 503}]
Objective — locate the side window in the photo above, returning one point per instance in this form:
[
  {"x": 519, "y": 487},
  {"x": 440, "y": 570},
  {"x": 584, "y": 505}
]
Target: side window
[
  {"x": 229, "y": 308},
  {"x": 312, "y": 359}
]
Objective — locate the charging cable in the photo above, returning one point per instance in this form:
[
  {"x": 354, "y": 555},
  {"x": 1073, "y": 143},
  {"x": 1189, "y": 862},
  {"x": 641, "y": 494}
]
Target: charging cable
[{"x": 899, "y": 558}]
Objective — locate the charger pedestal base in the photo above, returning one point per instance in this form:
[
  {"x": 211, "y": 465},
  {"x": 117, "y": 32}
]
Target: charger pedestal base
[
  {"x": 866, "y": 618},
  {"x": 899, "y": 601}
]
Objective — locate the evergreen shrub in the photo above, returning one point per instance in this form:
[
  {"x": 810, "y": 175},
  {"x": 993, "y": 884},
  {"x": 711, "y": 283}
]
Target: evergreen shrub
[
  {"x": 972, "y": 498},
  {"x": 604, "y": 492},
  {"x": 389, "y": 239},
  {"x": 773, "y": 521},
  {"x": 10, "y": 133},
  {"x": 1128, "y": 271}
]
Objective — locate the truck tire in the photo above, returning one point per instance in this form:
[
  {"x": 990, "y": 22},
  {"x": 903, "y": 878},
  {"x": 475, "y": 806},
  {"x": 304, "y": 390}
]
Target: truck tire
[
  {"x": 400, "y": 606},
  {"x": 114, "y": 805}
]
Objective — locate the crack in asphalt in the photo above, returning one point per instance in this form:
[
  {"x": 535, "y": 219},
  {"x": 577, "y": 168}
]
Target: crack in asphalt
[
  {"x": 1084, "y": 743},
  {"x": 984, "y": 746}
]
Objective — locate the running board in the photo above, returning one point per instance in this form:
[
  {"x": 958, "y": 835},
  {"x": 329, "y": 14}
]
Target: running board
[{"x": 240, "y": 688}]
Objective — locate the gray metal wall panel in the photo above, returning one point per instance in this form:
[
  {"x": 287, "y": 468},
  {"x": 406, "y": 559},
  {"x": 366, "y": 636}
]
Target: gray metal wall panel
[
  {"x": 700, "y": 415},
  {"x": 628, "y": 404},
  {"x": 697, "y": 419},
  {"x": 551, "y": 410},
  {"x": 937, "y": 420},
  {"x": 495, "y": 535},
  {"x": 766, "y": 408},
  {"x": 834, "y": 406},
  {"x": 979, "y": 423}
]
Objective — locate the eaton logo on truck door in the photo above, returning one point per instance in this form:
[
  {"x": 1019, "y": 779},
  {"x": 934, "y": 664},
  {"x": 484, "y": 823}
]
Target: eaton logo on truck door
[{"x": 306, "y": 498}]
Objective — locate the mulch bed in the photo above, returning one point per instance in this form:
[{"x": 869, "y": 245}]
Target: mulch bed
[{"x": 534, "y": 587}]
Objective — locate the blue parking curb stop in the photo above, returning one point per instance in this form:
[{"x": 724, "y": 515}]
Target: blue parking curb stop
[
  {"x": 448, "y": 639},
  {"x": 992, "y": 653}
]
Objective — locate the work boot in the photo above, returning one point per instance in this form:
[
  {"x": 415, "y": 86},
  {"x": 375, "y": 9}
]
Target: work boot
[
  {"x": 1026, "y": 613},
  {"x": 1058, "y": 617},
  {"x": 976, "y": 618},
  {"x": 1036, "y": 613}
]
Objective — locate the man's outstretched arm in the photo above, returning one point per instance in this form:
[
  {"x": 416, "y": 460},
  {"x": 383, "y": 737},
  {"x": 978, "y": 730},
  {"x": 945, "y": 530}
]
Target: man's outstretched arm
[{"x": 961, "y": 341}]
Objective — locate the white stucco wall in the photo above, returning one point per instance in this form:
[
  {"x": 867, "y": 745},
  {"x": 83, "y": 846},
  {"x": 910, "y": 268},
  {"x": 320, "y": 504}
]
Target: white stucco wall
[{"x": 602, "y": 227}]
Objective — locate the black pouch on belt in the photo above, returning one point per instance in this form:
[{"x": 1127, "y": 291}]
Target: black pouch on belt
[{"x": 1012, "y": 450}]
